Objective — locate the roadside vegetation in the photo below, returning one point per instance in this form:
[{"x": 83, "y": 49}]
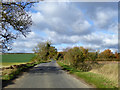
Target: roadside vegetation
[
  {"x": 44, "y": 51},
  {"x": 109, "y": 71},
  {"x": 95, "y": 79},
  {"x": 97, "y": 68}
]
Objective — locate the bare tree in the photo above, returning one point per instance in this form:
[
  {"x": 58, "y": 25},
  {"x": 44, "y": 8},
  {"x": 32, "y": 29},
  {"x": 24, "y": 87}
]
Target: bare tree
[{"x": 15, "y": 20}]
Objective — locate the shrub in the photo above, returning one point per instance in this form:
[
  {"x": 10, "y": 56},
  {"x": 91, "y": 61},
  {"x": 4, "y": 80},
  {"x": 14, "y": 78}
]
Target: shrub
[
  {"x": 45, "y": 51},
  {"x": 84, "y": 67},
  {"x": 74, "y": 56},
  {"x": 59, "y": 56},
  {"x": 92, "y": 56}
]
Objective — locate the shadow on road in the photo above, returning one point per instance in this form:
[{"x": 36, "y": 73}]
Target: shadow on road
[{"x": 45, "y": 69}]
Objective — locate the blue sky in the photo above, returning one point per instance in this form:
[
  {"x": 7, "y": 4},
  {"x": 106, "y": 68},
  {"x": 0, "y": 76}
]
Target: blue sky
[{"x": 68, "y": 24}]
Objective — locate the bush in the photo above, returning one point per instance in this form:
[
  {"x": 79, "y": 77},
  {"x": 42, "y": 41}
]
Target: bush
[
  {"x": 59, "y": 56},
  {"x": 92, "y": 56},
  {"x": 84, "y": 67},
  {"x": 74, "y": 56},
  {"x": 45, "y": 51}
]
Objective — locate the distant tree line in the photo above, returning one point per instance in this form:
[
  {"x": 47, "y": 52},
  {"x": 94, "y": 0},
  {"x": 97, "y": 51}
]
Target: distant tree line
[
  {"x": 88, "y": 55},
  {"x": 108, "y": 54},
  {"x": 78, "y": 56}
]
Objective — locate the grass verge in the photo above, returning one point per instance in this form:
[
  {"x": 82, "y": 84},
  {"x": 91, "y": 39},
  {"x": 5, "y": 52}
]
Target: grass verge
[
  {"x": 92, "y": 78},
  {"x": 9, "y": 74}
]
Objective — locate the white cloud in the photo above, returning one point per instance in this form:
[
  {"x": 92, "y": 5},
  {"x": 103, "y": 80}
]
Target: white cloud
[
  {"x": 66, "y": 23},
  {"x": 23, "y": 44},
  {"x": 81, "y": 26},
  {"x": 111, "y": 41},
  {"x": 113, "y": 28},
  {"x": 63, "y": 18},
  {"x": 104, "y": 17}
]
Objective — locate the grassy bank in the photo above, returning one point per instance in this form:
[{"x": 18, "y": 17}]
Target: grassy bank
[
  {"x": 109, "y": 71},
  {"x": 92, "y": 78}
]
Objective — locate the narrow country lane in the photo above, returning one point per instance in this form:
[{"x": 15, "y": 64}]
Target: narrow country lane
[{"x": 47, "y": 75}]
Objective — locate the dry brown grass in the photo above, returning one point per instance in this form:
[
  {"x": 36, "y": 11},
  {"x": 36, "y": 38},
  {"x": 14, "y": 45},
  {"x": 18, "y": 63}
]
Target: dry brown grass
[
  {"x": 9, "y": 64},
  {"x": 109, "y": 71}
]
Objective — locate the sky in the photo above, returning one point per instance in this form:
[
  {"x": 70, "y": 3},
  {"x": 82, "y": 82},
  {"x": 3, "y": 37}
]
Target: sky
[{"x": 69, "y": 24}]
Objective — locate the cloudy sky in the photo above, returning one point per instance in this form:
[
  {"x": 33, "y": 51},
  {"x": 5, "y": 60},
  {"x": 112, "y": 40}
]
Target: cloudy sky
[{"x": 68, "y": 24}]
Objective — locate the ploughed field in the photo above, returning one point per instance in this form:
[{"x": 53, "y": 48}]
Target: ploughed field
[{"x": 14, "y": 59}]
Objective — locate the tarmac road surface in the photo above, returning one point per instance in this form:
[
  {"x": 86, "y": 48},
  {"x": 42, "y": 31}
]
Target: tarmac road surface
[{"x": 47, "y": 75}]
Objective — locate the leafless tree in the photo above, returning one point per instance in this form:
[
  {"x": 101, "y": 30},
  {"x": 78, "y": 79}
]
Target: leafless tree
[{"x": 15, "y": 20}]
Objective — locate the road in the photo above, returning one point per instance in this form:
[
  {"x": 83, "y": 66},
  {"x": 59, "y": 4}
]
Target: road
[{"x": 47, "y": 75}]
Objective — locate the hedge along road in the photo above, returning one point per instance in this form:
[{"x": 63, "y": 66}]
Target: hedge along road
[{"x": 47, "y": 75}]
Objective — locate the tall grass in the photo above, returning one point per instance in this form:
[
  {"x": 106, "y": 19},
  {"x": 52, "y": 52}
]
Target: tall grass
[{"x": 109, "y": 71}]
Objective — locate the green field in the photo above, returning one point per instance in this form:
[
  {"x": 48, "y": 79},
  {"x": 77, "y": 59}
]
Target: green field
[
  {"x": 17, "y": 58},
  {"x": 11, "y": 59}
]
